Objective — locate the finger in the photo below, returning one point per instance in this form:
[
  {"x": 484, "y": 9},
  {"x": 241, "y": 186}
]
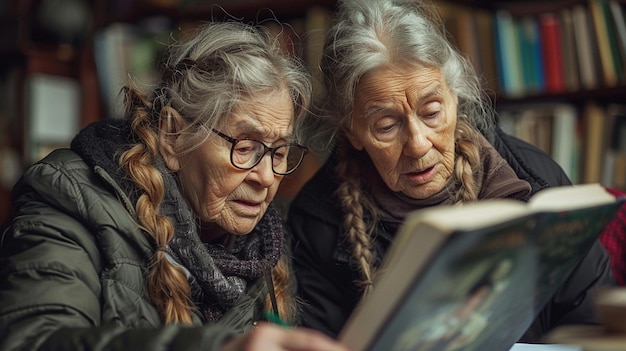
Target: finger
[{"x": 301, "y": 339}]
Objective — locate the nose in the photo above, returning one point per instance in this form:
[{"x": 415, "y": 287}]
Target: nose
[
  {"x": 417, "y": 141},
  {"x": 262, "y": 173}
]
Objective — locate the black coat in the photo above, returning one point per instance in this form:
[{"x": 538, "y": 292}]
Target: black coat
[{"x": 326, "y": 280}]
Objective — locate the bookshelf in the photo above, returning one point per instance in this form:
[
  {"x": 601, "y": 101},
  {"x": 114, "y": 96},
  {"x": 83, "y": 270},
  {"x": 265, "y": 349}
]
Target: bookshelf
[
  {"x": 546, "y": 62},
  {"x": 29, "y": 47}
]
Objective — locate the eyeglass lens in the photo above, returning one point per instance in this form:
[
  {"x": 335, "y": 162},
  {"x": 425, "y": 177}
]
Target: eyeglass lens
[{"x": 247, "y": 153}]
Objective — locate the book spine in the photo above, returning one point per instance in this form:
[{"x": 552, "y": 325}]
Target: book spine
[
  {"x": 564, "y": 139},
  {"x": 585, "y": 48},
  {"x": 604, "y": 45},
  {"x": 532, "y": 63},
  {"x": 487, "y": 47},
  {"x": 617, "y": 13},
  {"x": 594, "y": 120},
  {"x": 552, "y": 53},
  {"x": 508, "y": 53},
  {"x": 570, "y": 59},
  {"x": 609, "y": 23}
]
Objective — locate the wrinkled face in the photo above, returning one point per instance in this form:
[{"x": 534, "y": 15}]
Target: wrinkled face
[
  {"x": 228, "y": 199},
  {"x": 405, "y": 118}
]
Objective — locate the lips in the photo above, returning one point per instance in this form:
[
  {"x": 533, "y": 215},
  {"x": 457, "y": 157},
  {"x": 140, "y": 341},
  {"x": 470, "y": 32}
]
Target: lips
[
  {"x": 422, "y": 176},
  {"x": 425, "y": 170},
  {"x": 249, "y": 202},
  {"x": 246, "y": 208}
]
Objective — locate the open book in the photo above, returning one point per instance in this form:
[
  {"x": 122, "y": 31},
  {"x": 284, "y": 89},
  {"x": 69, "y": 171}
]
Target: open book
[{"x": 473, "y": 277}]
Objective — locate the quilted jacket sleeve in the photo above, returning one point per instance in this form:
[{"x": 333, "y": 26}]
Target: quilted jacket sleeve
[{"x": 50, "y": 265}]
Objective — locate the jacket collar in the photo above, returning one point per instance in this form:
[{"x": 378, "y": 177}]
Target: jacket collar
[{"x": 501, "y": 142}]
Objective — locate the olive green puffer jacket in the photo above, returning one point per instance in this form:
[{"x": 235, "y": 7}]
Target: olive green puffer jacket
[{"x": 72, "y": 268}]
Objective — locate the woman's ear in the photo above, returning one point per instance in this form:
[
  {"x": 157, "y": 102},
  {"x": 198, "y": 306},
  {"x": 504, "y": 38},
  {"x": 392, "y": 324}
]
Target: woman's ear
[
  {"x": 170, "y": 124},
  {"x": 353, "y": 138}
]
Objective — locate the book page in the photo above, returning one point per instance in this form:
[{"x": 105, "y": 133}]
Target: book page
[
  {"x": 545, "y": 347},
  {"x": 468, "y": 216},
  {"x": 571, "y": 197}
]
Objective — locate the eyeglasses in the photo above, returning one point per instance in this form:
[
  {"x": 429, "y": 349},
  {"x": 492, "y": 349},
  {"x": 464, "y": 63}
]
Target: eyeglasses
[{"x": 247, "y": 153}]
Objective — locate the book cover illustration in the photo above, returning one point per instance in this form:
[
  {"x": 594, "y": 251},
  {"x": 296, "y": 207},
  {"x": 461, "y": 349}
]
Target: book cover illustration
[{"x": 479, "y": 282}]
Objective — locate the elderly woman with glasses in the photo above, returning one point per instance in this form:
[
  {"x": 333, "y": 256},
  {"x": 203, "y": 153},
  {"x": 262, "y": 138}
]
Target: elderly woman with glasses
[{"x": 158, "y": 231}]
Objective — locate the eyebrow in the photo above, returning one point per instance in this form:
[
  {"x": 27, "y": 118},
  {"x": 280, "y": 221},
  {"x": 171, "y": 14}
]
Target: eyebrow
[
  {"x": 372, "y": 110},
  {"x": 245, "y": 126},
  {"x": 435, "y": 90}
]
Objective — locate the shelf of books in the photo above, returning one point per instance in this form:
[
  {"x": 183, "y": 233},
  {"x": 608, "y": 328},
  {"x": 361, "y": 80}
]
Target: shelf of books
[
  {"x": 128, "y": 43},
  {"x": 557, "y": 71}
]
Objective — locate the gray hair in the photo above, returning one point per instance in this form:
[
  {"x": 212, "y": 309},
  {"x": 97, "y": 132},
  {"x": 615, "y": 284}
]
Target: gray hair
[
  {"x": 367, "y": 34},
  {"x": 223, "y": 64}
]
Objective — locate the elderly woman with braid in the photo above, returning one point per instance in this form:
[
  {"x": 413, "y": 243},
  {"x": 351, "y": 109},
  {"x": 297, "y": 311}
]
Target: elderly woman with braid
[
  {"x": 158, "y": 231},
  {"x": 411, "y": 128}
]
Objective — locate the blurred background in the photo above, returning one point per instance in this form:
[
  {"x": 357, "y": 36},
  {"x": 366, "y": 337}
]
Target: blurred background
[{"x": 555, "y": 70}]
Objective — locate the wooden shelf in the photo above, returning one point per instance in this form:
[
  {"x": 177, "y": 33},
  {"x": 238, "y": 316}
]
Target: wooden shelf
[
  {"x": 248, "y": 10},
  {"x": 602, "y": 95},
  {"x": 252, "y": 9}
]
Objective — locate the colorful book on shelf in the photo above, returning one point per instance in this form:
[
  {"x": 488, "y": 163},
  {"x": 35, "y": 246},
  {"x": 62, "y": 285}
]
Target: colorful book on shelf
[
  {"x": 614, "y": 161},
  {"x": 619, "y": 26},
  {"x": 595, "y": 141},
  {"x": 566, "y": 141},
  {"x": 551, "y": 126},
  {"x": 473, "y": 33},
  {"x": 586, "y": 47},
  {"x": 461, "y": 23},
  {"x": 535, "y": 125},
  {"x": 473, "y": 277},
  {"x": 616, "y": 56},
  {"x": 552, "y": 49},
  {"x": 570, "y": 57},
  {"x": 610, "y": 67},
  {"x": 508, "y": 54},
  {"x": 531, "y": 55},
  {"x": 487, "y": 47}
]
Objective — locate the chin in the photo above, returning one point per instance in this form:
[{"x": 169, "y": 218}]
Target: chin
[
  {"x": 242, "y": 228},
  {"x": 417, "y": 195},
  {"x": 423, "y": 192}
]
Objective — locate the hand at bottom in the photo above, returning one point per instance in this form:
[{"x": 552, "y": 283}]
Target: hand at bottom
[{"x": 270, "y": 337}]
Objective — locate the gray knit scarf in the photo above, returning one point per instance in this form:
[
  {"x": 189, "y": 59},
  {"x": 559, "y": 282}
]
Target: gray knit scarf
[{"x": 218, "y": 276}]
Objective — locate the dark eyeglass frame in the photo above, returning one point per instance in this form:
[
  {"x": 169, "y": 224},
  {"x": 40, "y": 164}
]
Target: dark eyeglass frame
[{"x": 266, "y": 149}]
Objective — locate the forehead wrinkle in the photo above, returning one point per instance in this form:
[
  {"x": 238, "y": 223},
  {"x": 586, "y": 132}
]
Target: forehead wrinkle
[
  {"x": 373, "y": 109},
  {"x": 412, "y": 94},
  {"x": 249, "y": 125},
  {"x": 437, "y": 90},
  {"x": 380, "y": 103},
  {"x": 244, "y": 123},
  {"x": 431, "y": 90}
]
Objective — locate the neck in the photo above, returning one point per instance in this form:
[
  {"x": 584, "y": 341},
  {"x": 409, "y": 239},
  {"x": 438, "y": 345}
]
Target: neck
[{"x": 211, "y": 233}]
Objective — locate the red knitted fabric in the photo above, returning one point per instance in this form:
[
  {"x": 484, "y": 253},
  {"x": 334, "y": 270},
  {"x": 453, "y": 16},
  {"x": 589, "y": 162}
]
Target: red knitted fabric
[{"x": 614, "y": 241}]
